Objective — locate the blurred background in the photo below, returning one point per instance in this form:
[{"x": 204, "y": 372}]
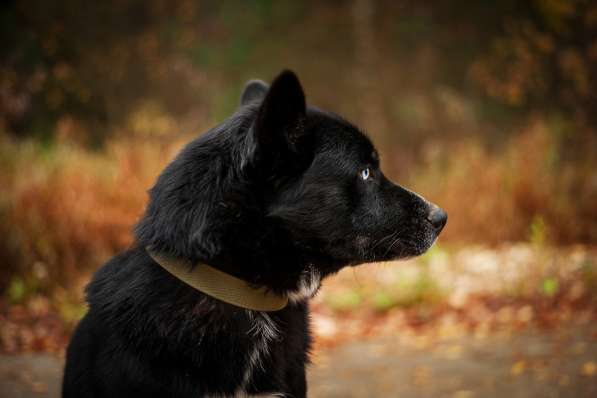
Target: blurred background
[{"x": 487, "y": 108}]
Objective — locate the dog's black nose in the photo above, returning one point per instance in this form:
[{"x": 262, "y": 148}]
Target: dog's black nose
[{"x": 437, "y": 217}]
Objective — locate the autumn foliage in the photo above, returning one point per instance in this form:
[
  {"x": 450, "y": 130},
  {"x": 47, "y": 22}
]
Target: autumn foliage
[{"x": 489, "y": 113}]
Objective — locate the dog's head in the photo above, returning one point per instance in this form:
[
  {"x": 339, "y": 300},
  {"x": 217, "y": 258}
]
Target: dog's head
[
  {"x": 338, "y": 199},
  {"x": 282, "y": 183}
]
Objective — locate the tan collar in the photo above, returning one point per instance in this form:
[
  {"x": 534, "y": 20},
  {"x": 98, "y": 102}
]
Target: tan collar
[{"x": 220, "y": 285}]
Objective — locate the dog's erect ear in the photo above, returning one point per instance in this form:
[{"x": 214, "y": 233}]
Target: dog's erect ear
[
  {"x": 279, "y": 119},
  {"x": 254, "y": 90}
]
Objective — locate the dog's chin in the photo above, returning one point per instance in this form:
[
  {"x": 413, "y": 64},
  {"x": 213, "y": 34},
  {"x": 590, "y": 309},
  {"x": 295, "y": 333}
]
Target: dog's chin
[
  {"x": 405, "y": 250},
  {"x": 366, "y": 250}
]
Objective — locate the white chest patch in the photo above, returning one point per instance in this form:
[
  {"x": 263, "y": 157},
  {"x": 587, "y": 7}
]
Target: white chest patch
[
  {"x": 263, "y": 331},
  {"x": 309, "y": 283}
]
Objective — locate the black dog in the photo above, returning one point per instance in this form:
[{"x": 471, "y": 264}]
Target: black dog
[{"x": 280, "y": 196}]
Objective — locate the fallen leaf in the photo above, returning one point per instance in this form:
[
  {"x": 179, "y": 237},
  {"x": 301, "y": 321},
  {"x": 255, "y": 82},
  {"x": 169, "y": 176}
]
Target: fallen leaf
[
  {"x": 39, "y": 387},
  {"x": 518, "y": 368},
  {"x": 463, "y": 394},
  {"x": 589, "y": 368}
]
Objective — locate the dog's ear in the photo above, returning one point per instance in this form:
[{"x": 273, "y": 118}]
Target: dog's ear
[
  {"x": 254, "y": 90},
  {"x": 279, "y": 123}
]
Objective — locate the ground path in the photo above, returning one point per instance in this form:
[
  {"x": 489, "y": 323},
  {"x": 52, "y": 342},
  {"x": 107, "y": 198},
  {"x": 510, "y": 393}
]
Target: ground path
[{"x": 557, "y": 363}]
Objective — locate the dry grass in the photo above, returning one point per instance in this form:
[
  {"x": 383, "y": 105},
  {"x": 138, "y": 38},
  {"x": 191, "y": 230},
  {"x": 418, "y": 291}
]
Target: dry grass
[
  {"x": 527, "y": 190},
  {"x": 64, "y": 209}
]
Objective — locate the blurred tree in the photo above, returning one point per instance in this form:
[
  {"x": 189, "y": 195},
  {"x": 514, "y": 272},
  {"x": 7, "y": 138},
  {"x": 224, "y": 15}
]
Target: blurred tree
[
  {"x": 92, "y": 67},
  {"x": 89, "y": 61},
  {"x": 544, "y": 57}
]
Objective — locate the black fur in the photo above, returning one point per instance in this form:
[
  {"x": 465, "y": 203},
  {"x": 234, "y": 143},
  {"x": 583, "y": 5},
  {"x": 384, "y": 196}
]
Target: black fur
[{"x": 273, "y": 195}]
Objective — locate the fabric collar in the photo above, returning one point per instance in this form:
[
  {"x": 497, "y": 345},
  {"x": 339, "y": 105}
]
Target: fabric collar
[{"x": 220, "y": 285}]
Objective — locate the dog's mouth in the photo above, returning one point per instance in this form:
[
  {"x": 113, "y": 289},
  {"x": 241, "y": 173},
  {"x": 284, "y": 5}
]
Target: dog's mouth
[
  {"x": 405, "y": 249},
  {"x": 406, "y": 238},
  {"x": 413, "y": 248},
  {"x": 423, "y": 237},
  {"x": 399, "y": 245}
]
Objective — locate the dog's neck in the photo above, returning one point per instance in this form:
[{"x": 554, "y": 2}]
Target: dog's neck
[{"x": 220, "y": 285}]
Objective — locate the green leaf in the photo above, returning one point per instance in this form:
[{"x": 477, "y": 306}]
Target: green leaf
[
  {"x": 16, "y": 290},
  {"x": 550, "y": 286}
]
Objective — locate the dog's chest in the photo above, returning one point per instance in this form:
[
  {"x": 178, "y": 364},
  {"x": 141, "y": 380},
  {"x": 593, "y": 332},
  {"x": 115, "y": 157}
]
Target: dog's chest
[{"x": 263, "y": 332}]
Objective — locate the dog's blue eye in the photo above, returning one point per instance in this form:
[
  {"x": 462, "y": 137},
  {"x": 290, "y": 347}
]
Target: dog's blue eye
[{"x": 365, "y": 173}]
